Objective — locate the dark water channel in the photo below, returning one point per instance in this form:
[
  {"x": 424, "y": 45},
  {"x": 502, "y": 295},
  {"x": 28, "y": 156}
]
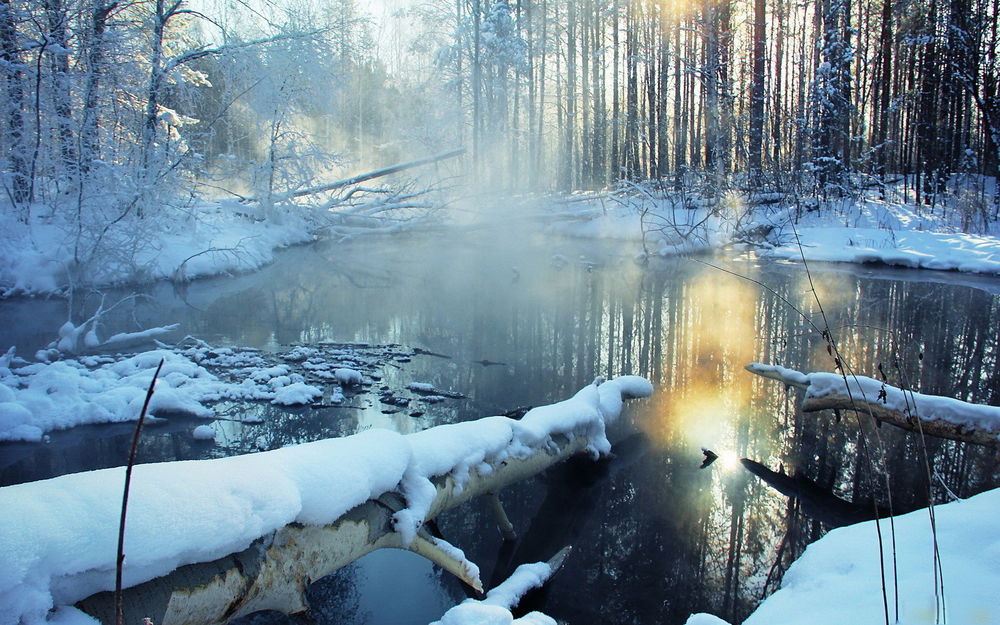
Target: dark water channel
[{"x": 525, "y": 321}]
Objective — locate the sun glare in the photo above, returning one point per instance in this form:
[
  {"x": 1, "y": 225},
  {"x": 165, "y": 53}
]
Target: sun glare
[{"x": 728, "y": 461}]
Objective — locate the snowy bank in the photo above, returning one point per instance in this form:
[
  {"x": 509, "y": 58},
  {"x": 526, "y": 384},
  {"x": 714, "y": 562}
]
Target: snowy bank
[
  {"x": 872, "y": 230},
  {"x": 838, "y": 580},
  {"x": 862, "y": 231},
  {"x": 48, "y": 255},
  {"x": 57, "y": 536},
  {"x": 955, "y": 251}
]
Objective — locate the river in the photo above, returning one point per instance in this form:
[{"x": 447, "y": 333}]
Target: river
[{"x": 517, "y": 319}]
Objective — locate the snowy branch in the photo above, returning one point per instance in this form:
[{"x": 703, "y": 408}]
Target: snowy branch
[{"x": 916, "y": 412}]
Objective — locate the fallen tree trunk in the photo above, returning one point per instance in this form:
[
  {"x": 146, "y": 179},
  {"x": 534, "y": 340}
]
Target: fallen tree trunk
[
  {"x": 437, "y": 469},
  {"x": 943, "y": 417},
  {"x": 377, "y": 173},
  {"x": 273, "y": 573}
]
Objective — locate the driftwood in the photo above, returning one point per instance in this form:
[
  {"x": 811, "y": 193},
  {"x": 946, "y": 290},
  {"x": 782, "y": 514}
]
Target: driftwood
[
  {"x": 925, "y": 414},
  {"x": 273, "y": 573}
]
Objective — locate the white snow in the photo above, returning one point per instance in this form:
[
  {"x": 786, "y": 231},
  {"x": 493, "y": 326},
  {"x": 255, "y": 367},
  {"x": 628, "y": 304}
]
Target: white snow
[
  {"x": 124, "y": 339},
  {"x": 421, "y": 387},
  {"x": 296, "y": 394},
  {"x": 57, "y": 536},
  {"x": 46, "y": 396},
  {"x": 459, "y": 448},
  {"x": 42, "y": 397},
  {"x": 821, "y": 384},
  {"x": 347, "y": 376},
  {"x": 873, "y": 230},
  {"x": 837, "y": 580},
  {"x": 203, "y": 433},
  {"x": 495, "y": 608},
  {"x": 205, "y": 239},
  {"x": 867, "y": 230},
  {"x": 793, "y": 376},
  {"x": 927, "y": 250},
  {"x": 916, "y": 404}
]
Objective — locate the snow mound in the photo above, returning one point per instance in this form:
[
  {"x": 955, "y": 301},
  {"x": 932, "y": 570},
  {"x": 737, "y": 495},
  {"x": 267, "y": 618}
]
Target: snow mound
[
  {"x": 296, "y": 394},
  {"x": 42, "y": 397},
  {"x": 348, "y": 377},
  {"x": 46, "y": 396},
  {"x": 204, "y": 433},
  {"x": 845, "y": 563}
]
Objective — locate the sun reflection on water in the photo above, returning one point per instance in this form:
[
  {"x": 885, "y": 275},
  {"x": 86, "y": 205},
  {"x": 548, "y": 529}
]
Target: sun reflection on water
[{"x": 707, "y": 390}]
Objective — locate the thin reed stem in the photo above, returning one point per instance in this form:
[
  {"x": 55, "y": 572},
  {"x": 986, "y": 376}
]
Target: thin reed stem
[{"x": 120, "y": 562}]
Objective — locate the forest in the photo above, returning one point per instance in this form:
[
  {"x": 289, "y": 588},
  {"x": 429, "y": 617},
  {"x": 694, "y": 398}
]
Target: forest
[{"x": 156, "y": 101}]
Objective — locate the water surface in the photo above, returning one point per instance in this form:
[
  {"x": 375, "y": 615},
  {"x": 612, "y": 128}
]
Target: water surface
[{"x": 517, "y": 319}]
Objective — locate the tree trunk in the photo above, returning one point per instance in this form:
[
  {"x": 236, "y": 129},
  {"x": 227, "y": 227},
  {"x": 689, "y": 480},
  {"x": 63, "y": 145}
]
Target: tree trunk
[
  {"x": 10, "y": 59},
  {"x": 757, "y": 87}
]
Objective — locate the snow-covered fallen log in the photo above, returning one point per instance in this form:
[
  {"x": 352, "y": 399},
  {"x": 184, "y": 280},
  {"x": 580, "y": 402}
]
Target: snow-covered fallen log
[
  {"x": 928, "y": 414},
  {"x": 378, "y": 173},
  {"x": 208, "y": 541}
]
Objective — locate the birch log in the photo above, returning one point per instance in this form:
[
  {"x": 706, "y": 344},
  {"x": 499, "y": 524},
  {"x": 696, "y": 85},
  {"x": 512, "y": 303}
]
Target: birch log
[
  {"x": 273, "y": 573},
  {"x": 928, "y": 414}
]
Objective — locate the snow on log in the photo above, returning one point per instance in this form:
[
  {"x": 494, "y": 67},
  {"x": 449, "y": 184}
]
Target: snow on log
[
  {"x": 499, "y": 601},
  {"x": 210, "y": 540},
  {"x": 930, "y": 414},
  {"x": 378, "y": 173}
]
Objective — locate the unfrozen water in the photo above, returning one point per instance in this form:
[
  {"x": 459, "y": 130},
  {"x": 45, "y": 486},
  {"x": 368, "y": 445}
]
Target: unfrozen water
[{"x": 507, "y": 321}]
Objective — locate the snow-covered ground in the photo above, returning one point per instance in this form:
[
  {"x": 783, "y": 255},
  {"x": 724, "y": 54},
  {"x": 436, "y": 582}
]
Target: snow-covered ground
[
  {"x": 57, "y": 536},
  {"x": 838, "y": 578},
  {"x": 48, "y": 254},
  {"x": 866, "y": 231},
  {"x": 893, "y": 234}
]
